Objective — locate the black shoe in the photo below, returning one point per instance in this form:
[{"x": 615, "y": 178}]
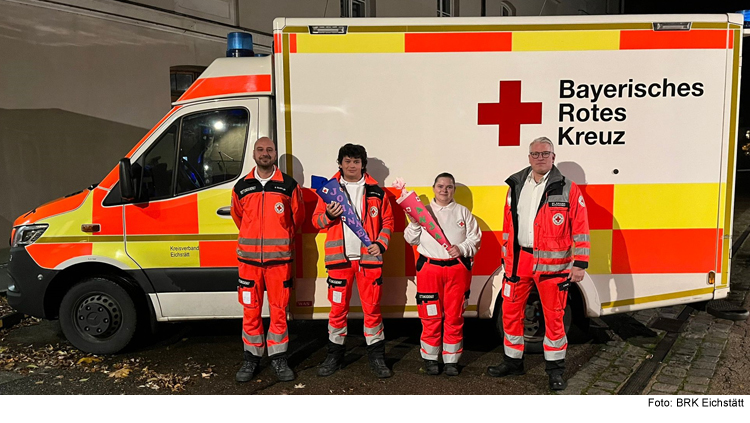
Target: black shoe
[
  {"x": 378, "y": 366},
  {"x": 507, "y": 368},
  {"x": 329, "y": 365},
  {"x": 451, "y": 369},
  {"x": 247, "y": 371},
  {"x": 283, "y": 372},
  {"x": 557, "y": 383},
  {"x": 431, "y": 367}
]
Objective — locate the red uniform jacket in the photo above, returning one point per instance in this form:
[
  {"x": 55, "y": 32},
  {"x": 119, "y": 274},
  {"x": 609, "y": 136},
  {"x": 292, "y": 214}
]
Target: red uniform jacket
[
  {"x": 268, "y": 218},
  {"x": 561, "y": 221},
  {"x": 377, "y": 220}
]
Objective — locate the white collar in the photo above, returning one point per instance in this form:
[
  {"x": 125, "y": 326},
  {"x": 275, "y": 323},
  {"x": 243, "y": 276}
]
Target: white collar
[
  {"x": 530, "y": 178},
  {"x": 360, "y": 182},
  {"x": 437, "y": 206}
]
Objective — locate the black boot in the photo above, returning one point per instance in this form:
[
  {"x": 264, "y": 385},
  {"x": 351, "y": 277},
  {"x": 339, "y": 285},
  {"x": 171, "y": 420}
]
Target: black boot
[
  {"x": 248, "y": 369},
  {"x": 280, "y": 365},
  {"x": 376, "y": 354},
  {"x": 555, "y": 370},
  {"x": 431, "y": 367},
  {"x": 509, "y": 366},
  {"x": 451, "y": 369},
  {"x": 333, "y": 359}
]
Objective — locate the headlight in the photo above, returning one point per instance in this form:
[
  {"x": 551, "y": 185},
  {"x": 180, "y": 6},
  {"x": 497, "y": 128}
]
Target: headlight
[{"x": 26, "y": 235}]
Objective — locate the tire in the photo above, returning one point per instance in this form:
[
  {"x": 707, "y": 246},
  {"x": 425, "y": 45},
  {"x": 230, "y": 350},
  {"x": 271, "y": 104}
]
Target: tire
[
  {"x": 98, "y": 316},
  {"x": 533, "y": 321}
]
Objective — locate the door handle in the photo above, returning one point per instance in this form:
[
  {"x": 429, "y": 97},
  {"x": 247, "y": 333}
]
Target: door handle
[{"x": 224, "y": 211}]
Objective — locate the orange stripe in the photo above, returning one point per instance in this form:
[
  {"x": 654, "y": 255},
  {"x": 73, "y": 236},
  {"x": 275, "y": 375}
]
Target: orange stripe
[
  {"x": 663, "y": 251},
  {"x": 277, "y": 43},
  {"x": 698, "y": 39},
  {"x": 223, "y": 85},
  {"x": 458, "y": 42},
  {"x": 719, "y": 251},
  {"x": 730, "y": 40},
  {"x": 51, "y": 255},
  {"x": 218, "y": 253},
  {"x": 170, "y": 217},
  {"x": 599, "y": 200},
  {"x": 55, "y": 207},
  {"x": 109, "y": 218},
  {"x": 292, "y": 43},
  {"x": 489, "y": 256}
]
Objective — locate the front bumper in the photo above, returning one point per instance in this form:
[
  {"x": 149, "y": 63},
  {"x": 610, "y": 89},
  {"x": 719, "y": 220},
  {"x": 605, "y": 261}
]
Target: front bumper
[{"x": 28, "y": 283}]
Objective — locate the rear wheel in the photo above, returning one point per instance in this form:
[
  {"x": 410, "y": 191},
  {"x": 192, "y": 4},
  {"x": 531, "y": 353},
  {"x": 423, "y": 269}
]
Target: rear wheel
[
  {"x": 533, "y": 322},
  {"x": 98, "y": 316}
]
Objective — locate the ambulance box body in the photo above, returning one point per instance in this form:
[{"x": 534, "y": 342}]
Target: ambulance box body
[{"x": 642, "y": 111}]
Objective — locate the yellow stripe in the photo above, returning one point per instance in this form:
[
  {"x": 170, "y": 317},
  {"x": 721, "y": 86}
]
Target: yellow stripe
[
  {"x": 160, "y": 254},
  {"x": 351, "y": 43},
  {"x": 665, "y": 206},
  {"x": 358, "y": 309},
  {"x": 183, "y": 238},
  {"x": 486, "y": 203},
  {"x": 115, "y": 251},
  {"x": 729, "y": 189},
  {"x": 81, "y": 238},
  {"x": 313, "y": 255},
  {"x": 600, "y": 260},
  {"x": 209, "y": 222},
  {"x": 69, "y": 224},
  {"x": 661, "y": 297},
  {"x": 287, "y": 108},
  {"x": 566, "y": 41}
]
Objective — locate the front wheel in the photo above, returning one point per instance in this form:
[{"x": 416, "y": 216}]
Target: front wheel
[
  {"x": 533, "y": 321},
  {"x": 98, "y": 316}
]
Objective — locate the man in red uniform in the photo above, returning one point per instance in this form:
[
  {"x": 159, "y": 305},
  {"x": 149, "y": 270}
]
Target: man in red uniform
[
  {"x": 545, "y": 243},
  {"x": 267, "y": 208},
  {"x": 348, "y": 260}
]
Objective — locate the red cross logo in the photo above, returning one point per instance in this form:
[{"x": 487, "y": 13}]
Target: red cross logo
[
  {"x": 461, "y": 223},
  {"x": 279, "y": 208},
  {"x": 509, "y": 113}
]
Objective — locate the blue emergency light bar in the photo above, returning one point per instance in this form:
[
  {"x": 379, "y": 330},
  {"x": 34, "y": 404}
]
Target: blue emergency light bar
[
  {"x": 240, "y": 44},
  {"x": 746, "y": 15}
]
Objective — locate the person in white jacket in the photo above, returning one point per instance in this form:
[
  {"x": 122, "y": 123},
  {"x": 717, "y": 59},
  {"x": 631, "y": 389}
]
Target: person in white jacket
[{"x": 444, "y": 276}]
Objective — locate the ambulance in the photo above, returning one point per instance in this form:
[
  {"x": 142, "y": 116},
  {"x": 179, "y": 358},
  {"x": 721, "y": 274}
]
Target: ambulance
[{"x": 642, "y": 111}]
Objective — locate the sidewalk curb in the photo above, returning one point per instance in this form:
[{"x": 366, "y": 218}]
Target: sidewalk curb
[{"x": 11, "y": 319}]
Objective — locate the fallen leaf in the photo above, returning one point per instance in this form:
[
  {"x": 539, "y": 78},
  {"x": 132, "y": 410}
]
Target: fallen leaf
[
  {"x": 83, "y": 380},
  {"x": 59, "y": 377},
  {"x": 3, "y": 349},
  {"x": 122, "y": 373},
  {"x": 32, "y": 366},
  {"x": 299, "y": 386},
  {"x": 89, "y": 360},
  {"x": 206, "y": 375},
  {"x": 39, "y": 383}
]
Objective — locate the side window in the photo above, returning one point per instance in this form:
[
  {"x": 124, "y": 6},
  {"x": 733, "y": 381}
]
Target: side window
[
  {"x": 156, "y": 167},
  {"x": 212, "y": 147}
]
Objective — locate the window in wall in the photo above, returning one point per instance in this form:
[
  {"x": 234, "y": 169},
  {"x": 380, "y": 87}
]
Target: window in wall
[
  {"x": 353, "y": 8},
  {"x": 181, "y": 78},
  {"x": 507, "y": 9},
  {"x": 444, "y": 8}
]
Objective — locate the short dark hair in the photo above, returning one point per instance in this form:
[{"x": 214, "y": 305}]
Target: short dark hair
[
  {"x": 444, "y": 175},
  {"x": 353, "y": 151}
]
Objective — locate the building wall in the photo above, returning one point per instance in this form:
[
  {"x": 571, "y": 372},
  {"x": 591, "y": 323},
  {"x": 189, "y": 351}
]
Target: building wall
[{"x": 259, "y": 14}]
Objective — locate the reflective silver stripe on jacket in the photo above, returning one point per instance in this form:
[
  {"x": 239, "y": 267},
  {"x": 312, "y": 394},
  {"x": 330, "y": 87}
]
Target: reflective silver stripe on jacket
[
  {"x": 553, "y": 267},
  {"x": 373, "y": 335},
  {"x": 253, "y": 339},
  {"x": 581, "y": 251},
  {"x": 581, "y": 238},
  {"x": 428, "y": 351},
  {"x": 505, "y": 236},
  {"x": 554, "y": 355},
  {"x": 335, "y": 257},
  {"x": 505, "y": 251},
  {"x": 268, "y": 241},
  {"x": 552, "y": 254},
  {"x": 277, "y": 338},
  {"x": 254, "y": 349},
  {"x": 323, "y": 220},
  {"x": 277, "y": 255},
  {"x": 248, "y": 254},
  {"x": 336, "y": 335},
  {"x": 367, "y": 257},
  {"x": 383, "y": 239},
  {"x": 334, "y": 244},
  {"x": 556, "y": 344},
  {"x": 452, "y": 352}
]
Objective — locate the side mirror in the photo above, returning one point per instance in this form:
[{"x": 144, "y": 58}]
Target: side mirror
[{"x": 127, "y": 191}]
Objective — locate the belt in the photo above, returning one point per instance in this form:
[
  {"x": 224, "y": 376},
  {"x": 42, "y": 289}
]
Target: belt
[
  {"x": 442, "y": 263},
  {"x": 528, "y": 250}
]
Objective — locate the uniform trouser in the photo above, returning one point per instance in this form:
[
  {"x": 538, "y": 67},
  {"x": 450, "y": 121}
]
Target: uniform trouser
[
  {"x": 277, "y": 281},
  {"x": 442, "y": 293},
  {"x": 340, "y": 285},
  {"x": 553, "y": 294}
]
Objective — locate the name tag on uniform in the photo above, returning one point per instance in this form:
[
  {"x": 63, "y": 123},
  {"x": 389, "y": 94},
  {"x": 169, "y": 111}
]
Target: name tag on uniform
[
  {"x": 506, "y": 291},
  {"x": 337, "y": 296},
  {"x": 432, "y": 310},
  {"x": 247, "y": 297}
]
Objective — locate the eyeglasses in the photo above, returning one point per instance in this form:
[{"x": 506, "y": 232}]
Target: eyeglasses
[{"x": 544, "y": 154}]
